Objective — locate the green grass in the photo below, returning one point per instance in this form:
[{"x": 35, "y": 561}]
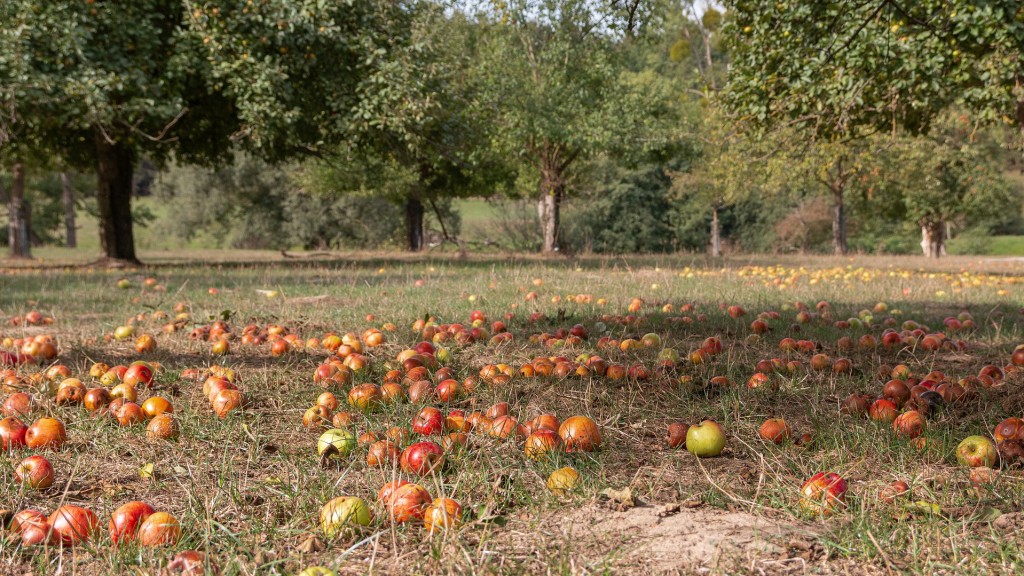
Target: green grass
[
  {"x": 1007, "y": 246},
  {"x": 248, "y": 488}
]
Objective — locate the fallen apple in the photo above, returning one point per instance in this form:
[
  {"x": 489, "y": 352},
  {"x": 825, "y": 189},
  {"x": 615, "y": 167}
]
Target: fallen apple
[
  {"x": 34, "y": 472},
  {"x": 823, "y": 494},
  {"x": 336, "y": 442},
  {"x": 340, "y": 514},
  {"x": 126, "y": 520},
  {"x": 705, "y": 440},
  {"x": 977, "y": 452}
]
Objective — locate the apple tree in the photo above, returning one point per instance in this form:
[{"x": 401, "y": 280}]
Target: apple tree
[
  {"x": 832, "y": 67},
  {"x": 426, "y": 158},
  {"x": 100, "y": 84},
  {"x": 551, "y": 81},
  {"x": 955, "y": 176}
]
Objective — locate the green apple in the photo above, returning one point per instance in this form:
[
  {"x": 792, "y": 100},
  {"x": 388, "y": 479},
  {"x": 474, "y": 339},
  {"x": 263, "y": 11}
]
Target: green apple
[
  {"x": 706, "y": 439},
  {"x": 977, "y": 451},
  {"x": 336, "y": 442},
  {"x": 344, "y": 512},
  {"x": 651, "y": 340},
  {"x": 318, "y": 571},
  {"x": 123, "y": 332},
  {"x": 669, "y": 354}
]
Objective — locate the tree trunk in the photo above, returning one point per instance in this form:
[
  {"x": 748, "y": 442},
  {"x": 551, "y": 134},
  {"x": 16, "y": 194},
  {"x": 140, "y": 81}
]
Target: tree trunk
[
  {"x": 413, "y": 224},
  {"x": 18, "y": 227},
  {"x": 1020, "y": 113},
  {"x": 114, "y": 199},
  {"x": 838, "y": 223},
  {"x": 716, "y": 233},
  {"x": 70, "y": 233},
  {"x": 549, "y": 205},
  {"x": 933, "y": 239}
]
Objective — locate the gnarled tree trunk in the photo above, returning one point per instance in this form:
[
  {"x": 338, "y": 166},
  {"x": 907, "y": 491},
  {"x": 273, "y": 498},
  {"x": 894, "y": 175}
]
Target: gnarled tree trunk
[
  {"x": 18, "y": 233},
  {"x": 115, "y": 162},
  {"x": 933, "y": 239},
  {"x": 413, "y": 223},
  {"x": 68, "y": 195}
]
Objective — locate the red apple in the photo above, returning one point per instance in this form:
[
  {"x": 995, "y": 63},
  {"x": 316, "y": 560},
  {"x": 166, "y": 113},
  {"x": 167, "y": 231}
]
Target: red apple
[
  {"x": 893, "y": 491},
  {"x": 192, "y": 563},
  {"x": 73, "y": 524},
  {"x": 140, "y": 373},
  {"x": 823, "y": 494},
  {"x": 125, "y": 521},
  {"x": 422, "y": 458},
  {"x": 35, "y": 472},
  {"x": 382, "y": 453},
  {"x": 159, "y": 529},
  {"x": 774, "y": 430},
  {"x": 387, "y": 491},
  {"x": 17, "y": 404},
  {"x": 580, "y": 434},
  {"x": 12, "y": 433},
  {"x": 542, "y": 443},
  {"x": 46, "y": 433},
  {"x": 909, "y": 424},
  {"x": 883, "y": 410},
  {"x": 442, "y": 514},
  {"x": 677, "y": 434},
  {"x": 428, "y": 421},
  {"x": 407, "y": 502},
  {"x": 365, "y": 397}
]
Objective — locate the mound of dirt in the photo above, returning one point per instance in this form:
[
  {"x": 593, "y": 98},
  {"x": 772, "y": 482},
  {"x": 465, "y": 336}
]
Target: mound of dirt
[{"x": 674, "y": 539}]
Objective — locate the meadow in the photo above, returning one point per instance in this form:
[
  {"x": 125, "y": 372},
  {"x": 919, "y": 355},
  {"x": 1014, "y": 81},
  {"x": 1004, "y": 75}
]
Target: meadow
[{"x": 247, "y": 487}]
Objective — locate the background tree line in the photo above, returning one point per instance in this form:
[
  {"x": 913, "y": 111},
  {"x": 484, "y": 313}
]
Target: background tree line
[{"x": 610, "y": 126}]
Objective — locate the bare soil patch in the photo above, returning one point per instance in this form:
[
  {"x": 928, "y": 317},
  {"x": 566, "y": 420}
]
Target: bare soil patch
[{"x": 670, "y": 539}]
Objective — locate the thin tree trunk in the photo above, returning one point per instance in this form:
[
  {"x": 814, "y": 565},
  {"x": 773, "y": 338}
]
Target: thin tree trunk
[
  {"x": 413, "y": 224},
  {"x": 549, "y": 205},
  {"x": 70, "y": 233},
  {"x": 1020, "y": 113},
  {"x": 933, "y": 239},
  {"x": 114, "y": 200},
  {"x": 716, "y": 233},
  {"x": 548, "y": 208},
  {"x": 17, "y": 227},
  {"x": 838, "y": 222}
]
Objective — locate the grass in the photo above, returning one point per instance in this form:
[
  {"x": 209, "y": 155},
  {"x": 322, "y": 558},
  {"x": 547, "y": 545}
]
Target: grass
[
  {"x": 248, "y": 488},
  {"x": 1007, "y": 246}
]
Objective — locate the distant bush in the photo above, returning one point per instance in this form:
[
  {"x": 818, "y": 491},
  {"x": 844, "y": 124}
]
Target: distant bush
[
  {"x": 972, "y": 241},
  {"x": 628, "y": 215}
]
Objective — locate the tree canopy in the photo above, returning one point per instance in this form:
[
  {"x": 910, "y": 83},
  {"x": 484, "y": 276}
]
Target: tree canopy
[{"x": 836, "y": 66}]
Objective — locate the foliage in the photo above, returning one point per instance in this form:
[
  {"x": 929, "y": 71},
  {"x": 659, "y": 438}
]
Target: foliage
[
  {"x": 626, "y": 213},
  {"x": 237, "y": 205},
  {"x": 71, "y": 68},
  {"x": 306, "y": 75},
  {"x": 250, "y": 204},
  {"x": 837, "y": 65},
  {"x": 956, "y": 175},
  {"x": 552, "y": 80}
]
